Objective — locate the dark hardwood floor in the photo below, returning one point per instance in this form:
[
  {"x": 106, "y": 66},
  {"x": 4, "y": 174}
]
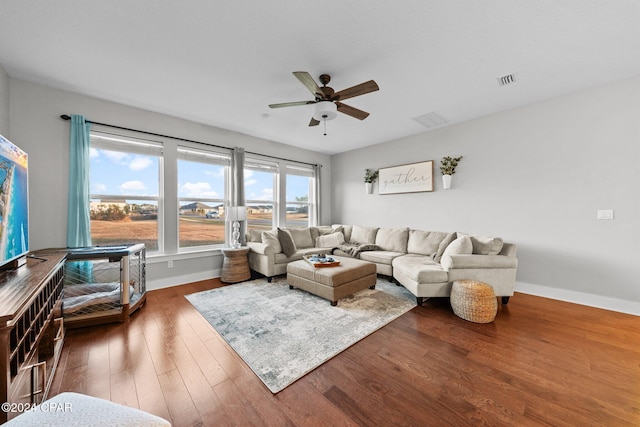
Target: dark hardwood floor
[{"x": 542, "y": 362}]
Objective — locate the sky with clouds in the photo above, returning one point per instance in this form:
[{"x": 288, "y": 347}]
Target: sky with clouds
[{"x": 120, "y": 174}]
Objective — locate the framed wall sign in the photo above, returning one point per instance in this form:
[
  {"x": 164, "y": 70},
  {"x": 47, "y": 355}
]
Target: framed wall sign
[{"x": 411, "y": 178}]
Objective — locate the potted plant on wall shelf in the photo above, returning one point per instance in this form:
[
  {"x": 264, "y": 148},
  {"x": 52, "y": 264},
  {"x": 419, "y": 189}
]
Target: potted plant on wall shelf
[
  {"x": 370, "y": 177},
  {"x": 448, "y": 168}
]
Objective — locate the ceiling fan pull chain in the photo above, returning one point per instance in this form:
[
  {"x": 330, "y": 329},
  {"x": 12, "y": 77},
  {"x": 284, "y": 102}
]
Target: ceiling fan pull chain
[{"x": 325, "y": 126}]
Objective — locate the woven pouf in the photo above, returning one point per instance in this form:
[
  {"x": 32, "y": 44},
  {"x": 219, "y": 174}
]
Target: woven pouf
[{"x": 474, "y": 301}]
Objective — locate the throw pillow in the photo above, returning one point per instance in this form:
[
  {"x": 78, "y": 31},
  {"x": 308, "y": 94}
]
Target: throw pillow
[
  {"x": 483, "y": 245},
  {"x": 443, "y": 245},
  {"x": 461, "y": 246},
  {"x": 332, "y": 240},
  {"x": 322, "y": 230},
  {"x": 271, "y": 238},
  {"x": 301, "y": 237},
  {"x": 337, "y": 228},
  {"x": 287, "y": 243}
]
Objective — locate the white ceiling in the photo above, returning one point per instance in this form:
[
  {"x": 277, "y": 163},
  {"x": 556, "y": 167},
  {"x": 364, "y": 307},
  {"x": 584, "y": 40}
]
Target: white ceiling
[{"x": 222, "y": 62}]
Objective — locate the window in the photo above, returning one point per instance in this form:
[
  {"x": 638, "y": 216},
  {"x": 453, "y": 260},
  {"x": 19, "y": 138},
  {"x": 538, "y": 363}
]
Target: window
[
  {"x": 125, "y": 191},
  {"x": 276, "y": 199},
  {"x": 260, "y": 178},
  {"x": 300, "y": 196},
  {"x": 202, "y": 183},
  {"x": 172, "y": 195}
]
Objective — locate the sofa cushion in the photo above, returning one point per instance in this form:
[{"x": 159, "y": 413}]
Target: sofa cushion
[
  {"x": 271, "y": 238},
  {"x": 286, "y": 241},
  {"x": 420, "y": 268},
  {"x": 461, "y": 246},
  {"x": 332, "y": 240},
  {"x": 361, "y": 234},
  {"x": 483, "y": 245},
  {"x": 425, "y": 242},
  {"x": 281, "y": 258},
  {"x": 380, "y": 257},
  {"x": 392, "y": 239},
  {"x": 301, "y": 237}
]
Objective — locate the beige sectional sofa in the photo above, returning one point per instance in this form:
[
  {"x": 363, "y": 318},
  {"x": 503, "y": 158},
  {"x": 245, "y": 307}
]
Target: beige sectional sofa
[{"x": 424, "y": 262}]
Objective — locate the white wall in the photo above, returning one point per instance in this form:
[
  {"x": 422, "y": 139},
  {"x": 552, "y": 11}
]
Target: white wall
[
  {"x": 36, "y": 127},
  {"x": 535, "y": 176},
  {"x": 4, "y": 103}
]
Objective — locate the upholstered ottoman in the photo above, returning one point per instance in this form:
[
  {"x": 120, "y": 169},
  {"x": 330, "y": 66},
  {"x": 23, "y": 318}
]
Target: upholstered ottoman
[
  {"x": 474, "y": 301},
  {"x": 332, "y": 283},
  {"x": 73, "y": 409}
]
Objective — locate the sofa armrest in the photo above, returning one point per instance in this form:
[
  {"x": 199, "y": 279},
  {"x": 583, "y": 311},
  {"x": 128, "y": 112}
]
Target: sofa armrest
[
  {"x": 261, "y": 248},
  {"x": 450, "y": 262}
]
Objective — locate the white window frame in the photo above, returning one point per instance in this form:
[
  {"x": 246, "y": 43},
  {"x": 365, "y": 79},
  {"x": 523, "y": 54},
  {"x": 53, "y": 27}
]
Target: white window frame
[
  {"x": 308, "y": 171},
  {"x": 126, "y": 144},
  {"x": 212, "y": 157},
  {"x": 280, "y": 170},
  {"x": 260, "y": 165}
]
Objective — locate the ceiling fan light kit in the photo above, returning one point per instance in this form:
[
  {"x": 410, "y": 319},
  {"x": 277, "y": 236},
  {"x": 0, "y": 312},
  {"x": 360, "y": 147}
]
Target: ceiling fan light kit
[
  {"x": 325, "y": 110},
  {"x": 327, "y": 101}
]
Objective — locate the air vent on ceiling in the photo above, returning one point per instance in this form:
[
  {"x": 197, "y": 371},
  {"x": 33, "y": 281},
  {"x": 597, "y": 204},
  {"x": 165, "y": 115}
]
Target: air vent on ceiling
[
  {"x": 431, "y": 120},
  {"x": 507, "y": 80}
]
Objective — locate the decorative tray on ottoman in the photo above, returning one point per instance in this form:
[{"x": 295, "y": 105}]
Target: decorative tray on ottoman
[{"x": 319, "y": 262}]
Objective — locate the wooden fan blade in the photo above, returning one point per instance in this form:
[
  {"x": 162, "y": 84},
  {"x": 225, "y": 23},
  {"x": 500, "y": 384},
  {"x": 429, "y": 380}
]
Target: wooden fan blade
[
  {"x": 350, "y": 111},
  {"x": 306, "y": 79},
  {"x": 356, "y": 90},
  {"x": 313, "y": 122},
  {"x": 291, "y": 104}
]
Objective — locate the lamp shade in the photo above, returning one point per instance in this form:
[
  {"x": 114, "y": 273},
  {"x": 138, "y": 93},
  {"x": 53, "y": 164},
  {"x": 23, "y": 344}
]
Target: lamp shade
[
  {"x": 325, "y": 110},
  {"x": 236, "y": 213}
]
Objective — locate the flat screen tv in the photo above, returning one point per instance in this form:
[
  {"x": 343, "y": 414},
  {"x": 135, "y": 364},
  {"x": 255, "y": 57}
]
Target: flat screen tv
[{"x": 14, "y": 204}]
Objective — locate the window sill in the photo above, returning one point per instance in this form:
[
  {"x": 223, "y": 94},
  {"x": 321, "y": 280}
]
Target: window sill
[{"x": 193, "y": 254}]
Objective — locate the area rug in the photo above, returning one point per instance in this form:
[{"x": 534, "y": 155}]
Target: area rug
[{"x": 283, "y": 334}]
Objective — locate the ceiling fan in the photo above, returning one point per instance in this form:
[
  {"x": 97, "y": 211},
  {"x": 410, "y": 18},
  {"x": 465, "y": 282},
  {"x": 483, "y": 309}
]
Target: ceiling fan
[{"x": 327, "y": 101}]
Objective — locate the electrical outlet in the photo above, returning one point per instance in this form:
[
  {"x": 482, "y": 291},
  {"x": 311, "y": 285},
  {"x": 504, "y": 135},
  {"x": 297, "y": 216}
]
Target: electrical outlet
[
  {"x": 170, "y": 263},
  {"x": 605, "y": 214}
]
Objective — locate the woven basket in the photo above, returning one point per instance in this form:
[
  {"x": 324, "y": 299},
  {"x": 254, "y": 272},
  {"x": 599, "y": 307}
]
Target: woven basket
[{"x": 474, "y": 301}]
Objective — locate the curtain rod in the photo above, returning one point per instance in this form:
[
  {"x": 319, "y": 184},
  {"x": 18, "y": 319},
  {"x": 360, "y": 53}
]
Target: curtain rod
[{"x": 67, "y": 117}]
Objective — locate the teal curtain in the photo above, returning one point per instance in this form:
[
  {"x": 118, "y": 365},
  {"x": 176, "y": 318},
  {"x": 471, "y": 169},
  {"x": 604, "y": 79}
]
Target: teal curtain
[{"x": 78, "y": 221}]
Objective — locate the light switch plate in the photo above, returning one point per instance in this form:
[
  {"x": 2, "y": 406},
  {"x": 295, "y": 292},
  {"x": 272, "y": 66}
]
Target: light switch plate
[{"x": 605, "y": 214}]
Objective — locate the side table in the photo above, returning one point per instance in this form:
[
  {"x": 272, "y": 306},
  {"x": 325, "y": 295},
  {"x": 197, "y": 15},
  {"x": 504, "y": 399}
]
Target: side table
[{"x": 235, "y": 267}]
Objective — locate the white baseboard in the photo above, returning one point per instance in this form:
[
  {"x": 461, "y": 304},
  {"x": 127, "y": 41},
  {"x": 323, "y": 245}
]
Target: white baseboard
[
  {"x": 591, "y": 300},
  {"x": 183, "y": 279}
]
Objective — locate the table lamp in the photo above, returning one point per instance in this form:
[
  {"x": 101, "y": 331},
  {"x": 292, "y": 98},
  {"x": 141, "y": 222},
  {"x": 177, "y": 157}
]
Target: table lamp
[{"x": 235, "y": 214}]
